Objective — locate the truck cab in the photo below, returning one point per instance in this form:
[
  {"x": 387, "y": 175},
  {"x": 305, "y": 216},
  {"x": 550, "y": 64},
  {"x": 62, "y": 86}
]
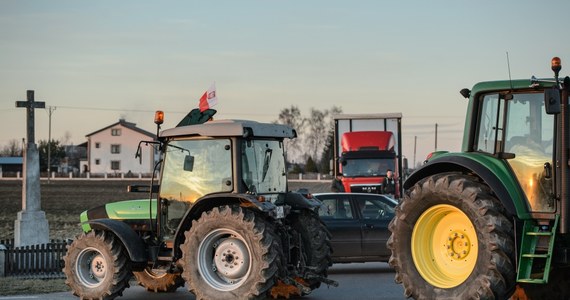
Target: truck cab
[{"x": 366, "y": 157}]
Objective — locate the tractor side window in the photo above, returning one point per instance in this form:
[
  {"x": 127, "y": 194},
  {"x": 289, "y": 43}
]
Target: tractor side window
[{"x": 490, "y": 131}]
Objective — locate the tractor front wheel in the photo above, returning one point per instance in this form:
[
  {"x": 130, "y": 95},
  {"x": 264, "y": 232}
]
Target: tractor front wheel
[
  {"x": 230, "y": 253},
  {"x": 451, "y": 239},
  {"x": 96, "y": 266}
]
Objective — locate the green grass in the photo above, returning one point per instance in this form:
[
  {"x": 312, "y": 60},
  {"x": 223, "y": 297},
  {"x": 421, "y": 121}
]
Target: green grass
[{"x": 17, "y": 286}]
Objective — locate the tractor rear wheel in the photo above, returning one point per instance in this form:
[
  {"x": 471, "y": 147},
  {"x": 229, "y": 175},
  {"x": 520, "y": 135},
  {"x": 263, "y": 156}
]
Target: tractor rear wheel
[
  {"x": 316, "y": 252},
  {"x": 316, "y": 244},
  {"x": 158, "y": 280},
  {"x": 96, "y": 266},
  {"x": 230, "y": 253},
  {"x": 451, "y": 239}
]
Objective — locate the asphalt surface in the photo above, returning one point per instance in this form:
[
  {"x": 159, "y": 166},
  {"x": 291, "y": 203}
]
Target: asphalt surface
[{"x": 356, "y": 281}]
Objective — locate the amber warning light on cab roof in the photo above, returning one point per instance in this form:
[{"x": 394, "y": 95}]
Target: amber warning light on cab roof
[{"x": 158, "y": 117}]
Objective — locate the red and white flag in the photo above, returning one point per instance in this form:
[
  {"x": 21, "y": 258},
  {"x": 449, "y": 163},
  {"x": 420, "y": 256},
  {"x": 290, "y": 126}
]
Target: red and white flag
[{"x": 209, "y": 98}]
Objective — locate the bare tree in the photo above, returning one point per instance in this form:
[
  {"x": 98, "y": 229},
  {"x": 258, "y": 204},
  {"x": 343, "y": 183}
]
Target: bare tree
[
  {"x": 327, "y": 148},
  {"x": 14, "y": 148},
  {"x": 292, "y": 117},
  {"x": 316, "y": 134}
]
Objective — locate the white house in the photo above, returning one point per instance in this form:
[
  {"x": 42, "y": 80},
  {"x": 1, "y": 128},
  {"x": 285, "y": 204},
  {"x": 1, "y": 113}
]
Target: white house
[{"x": 112, "y": 150}]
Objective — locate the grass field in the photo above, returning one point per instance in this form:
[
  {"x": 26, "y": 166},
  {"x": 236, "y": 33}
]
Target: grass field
[{"x": 62, "y": 201}]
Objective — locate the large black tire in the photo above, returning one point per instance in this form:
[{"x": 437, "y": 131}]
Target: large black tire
[
  {"x": 96, "y": 266},
  {"x": 451, "y": 240},
  {"x": 230, "y": 253},
  {"x": 159, "y": 281},
  {"x": 316, "y": 246}
]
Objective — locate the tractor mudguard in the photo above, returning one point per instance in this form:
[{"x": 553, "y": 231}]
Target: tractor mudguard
[
  {"x": 135, "y": 246},
  {"x": 208, "y": 202},
  {"x": 493, "y": 171},
  {"x": 297, "y": 201}
]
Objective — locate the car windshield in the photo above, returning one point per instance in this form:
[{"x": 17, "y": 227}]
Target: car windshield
[
  {"x": 263, "y": 166},
  {"x": 366, "y": 167}
]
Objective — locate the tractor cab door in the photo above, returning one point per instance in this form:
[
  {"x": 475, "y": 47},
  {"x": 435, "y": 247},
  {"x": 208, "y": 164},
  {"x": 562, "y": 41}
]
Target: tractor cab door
[
  {"x": 518, "y": 125},
  {"x": 191, "y": 170}
]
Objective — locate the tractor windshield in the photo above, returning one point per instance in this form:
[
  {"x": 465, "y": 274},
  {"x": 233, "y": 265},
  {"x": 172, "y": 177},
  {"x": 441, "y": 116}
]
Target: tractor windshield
[
  {"x": 194, "y": 168},
  {"x": 263, "y": 166}
]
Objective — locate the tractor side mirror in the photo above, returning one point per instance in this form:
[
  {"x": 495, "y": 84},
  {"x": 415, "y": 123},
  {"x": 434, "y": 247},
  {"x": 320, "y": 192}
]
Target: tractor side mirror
[
  {"x": 188, "y": 163},
  {"x": 552, "y": 101}
]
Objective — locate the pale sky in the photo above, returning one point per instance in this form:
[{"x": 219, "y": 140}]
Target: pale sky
[{"x": 98, "y": 61}]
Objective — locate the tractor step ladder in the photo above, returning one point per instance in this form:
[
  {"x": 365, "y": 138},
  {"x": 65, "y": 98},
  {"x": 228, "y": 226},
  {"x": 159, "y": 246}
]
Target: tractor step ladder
[{"x": 535, "y": 259}]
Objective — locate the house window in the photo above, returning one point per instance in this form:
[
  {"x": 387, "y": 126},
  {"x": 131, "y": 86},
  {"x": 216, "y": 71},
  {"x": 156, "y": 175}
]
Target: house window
[
  {"x": 97, "y": 145},
  {"x": 97, "y": 161},
  {"x": 115, "y": 149},
  {"x": 115, "y": 165},
  {"x": 116, "y": 132}
]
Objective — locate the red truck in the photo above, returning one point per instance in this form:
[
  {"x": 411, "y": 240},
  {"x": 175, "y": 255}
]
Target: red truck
[{"x": 365, "y": 147}]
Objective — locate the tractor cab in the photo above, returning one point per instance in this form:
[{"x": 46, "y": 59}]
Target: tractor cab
[{"x": 232, "y": 159}]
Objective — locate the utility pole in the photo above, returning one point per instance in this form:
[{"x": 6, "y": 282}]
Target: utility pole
[
  {"x": 435, "y": 137},
  {"x": 415, "y": 144},
  {"x": 50, "y": 111}
]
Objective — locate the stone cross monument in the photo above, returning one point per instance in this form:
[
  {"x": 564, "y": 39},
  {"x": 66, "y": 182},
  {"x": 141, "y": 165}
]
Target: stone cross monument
[{"x": 31, "y": 226}]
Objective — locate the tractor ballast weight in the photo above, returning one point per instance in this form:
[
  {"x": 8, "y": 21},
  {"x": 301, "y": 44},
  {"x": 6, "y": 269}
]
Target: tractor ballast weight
[
  {"x": 491, "y": 221},
  {"x": 220, "y": 220}
]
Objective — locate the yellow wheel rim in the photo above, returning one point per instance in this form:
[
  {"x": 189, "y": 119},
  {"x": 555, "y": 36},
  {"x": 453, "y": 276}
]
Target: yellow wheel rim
[{"x": 444, "y": 246}]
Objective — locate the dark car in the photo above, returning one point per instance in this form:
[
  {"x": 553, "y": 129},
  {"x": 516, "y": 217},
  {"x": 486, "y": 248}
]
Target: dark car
[{"x": 359, "y": 225}]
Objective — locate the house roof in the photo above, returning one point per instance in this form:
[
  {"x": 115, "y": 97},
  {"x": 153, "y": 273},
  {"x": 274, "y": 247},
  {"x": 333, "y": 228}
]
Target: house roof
[
  {"x": 125, "y": 124},
  {"x": 11, "y": 160}
]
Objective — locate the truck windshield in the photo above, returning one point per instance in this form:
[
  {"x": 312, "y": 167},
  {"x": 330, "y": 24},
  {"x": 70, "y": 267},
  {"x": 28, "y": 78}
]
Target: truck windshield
[
  {"x": 367, "y": 167},
  {"x": 263, "y": 166}
]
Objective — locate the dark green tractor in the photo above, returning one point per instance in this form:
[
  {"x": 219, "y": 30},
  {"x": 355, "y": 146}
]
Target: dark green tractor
[
  {"x": 492, "y": 221},
  {"x": 219, "y": 220}
]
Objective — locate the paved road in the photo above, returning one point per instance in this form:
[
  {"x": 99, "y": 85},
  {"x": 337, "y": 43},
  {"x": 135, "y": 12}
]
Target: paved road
[{"x": 356, "y": 281}]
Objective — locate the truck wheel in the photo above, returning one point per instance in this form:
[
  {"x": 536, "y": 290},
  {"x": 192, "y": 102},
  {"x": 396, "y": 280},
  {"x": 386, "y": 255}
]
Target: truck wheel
[
  {"x": 96, "y": 266},
  {"x": 230, "y": 253},
  {"x": 451, "y": 239},
  {"x": 158, "y": 280}
]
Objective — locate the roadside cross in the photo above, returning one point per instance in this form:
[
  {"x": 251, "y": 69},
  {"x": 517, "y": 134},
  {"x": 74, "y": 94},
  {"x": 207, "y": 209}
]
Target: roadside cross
[
  {"x": 31, "y": 226},
  {"x": 30, "y": 106}
]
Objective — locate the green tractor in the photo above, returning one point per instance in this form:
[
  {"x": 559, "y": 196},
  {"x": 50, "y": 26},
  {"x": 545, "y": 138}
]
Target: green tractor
[
  {"x": 219, "y": 220},
  {"x": 493, "y": 221}
]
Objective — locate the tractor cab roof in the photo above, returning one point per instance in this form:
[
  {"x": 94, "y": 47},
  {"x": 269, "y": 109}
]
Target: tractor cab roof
[{"x": 222, "y": 128}]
